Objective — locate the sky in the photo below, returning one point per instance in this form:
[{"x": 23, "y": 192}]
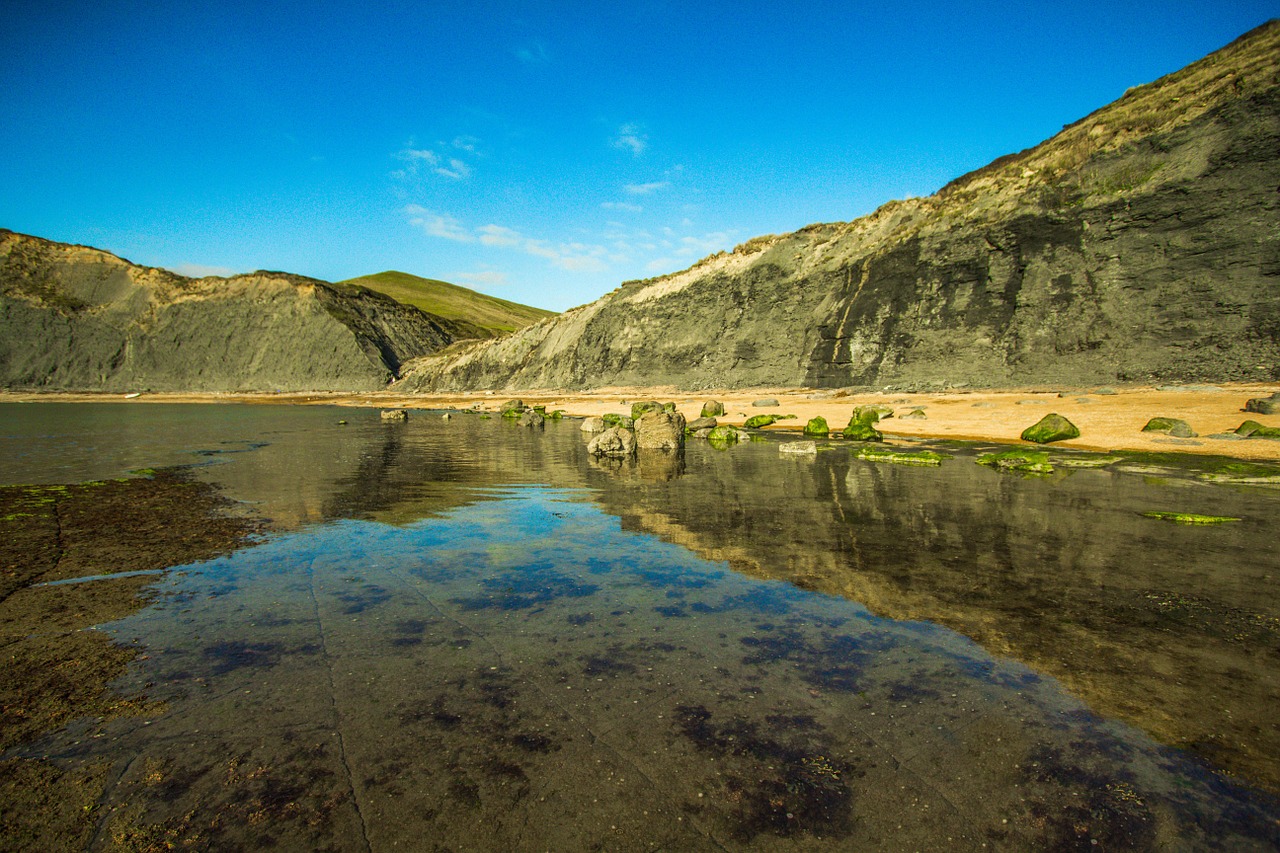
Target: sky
[{"x": 542, "y": 152}]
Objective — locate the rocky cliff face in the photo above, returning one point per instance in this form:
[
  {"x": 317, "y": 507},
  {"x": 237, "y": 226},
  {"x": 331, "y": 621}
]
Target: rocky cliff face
[
  {"x": 72, "y": 317},
  {"x": 1141, "y": 243}
]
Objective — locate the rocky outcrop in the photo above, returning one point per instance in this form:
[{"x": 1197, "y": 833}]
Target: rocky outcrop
[
  {"x": 1142, "y": 243},
  {"x": 77, "y": 318}
]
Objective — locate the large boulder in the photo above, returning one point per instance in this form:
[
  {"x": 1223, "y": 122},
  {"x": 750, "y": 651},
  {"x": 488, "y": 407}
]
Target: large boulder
[
  {"x": 660, "y": 430},
  {"x": 395, "y": 415},
  {"x": 616, "y": 442},
  {"x": 1052, "y": 427},
  {"x": 712, "y": 409},
  {"x": 593, "y": 424},
  {"x": 640, "y": 408},
  {"x": 817, "y": 427}
]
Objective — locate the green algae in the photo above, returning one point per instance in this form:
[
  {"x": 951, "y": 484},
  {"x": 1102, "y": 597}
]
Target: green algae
[
  {"x": 927, "y": 458},
  {"x": 759, "y": 421},
  {"x": 1190, "y": 517},
  {"x": 817, "y": 427},
  {"x": 1022, "y": 461}
]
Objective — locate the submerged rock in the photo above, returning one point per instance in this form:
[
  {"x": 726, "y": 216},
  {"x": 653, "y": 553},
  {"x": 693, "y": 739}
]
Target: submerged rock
[
  {"x": 532, "y": 419},
  {"x": 799, "y": 447},
  {"x": 615, "y": 442},
  {"x": 1052, "y": 427},
  {"x": 1025, "y": 461},
  {"x": 395, "y": 415},
  {"x": 723, "y": 436}
]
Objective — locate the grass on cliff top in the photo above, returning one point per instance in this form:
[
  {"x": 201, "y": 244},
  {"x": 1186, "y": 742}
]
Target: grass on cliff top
[{"x": 452, "y": 301}]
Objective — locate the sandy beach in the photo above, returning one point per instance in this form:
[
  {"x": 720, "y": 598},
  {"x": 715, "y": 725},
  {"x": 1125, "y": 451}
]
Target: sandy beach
[{"x": 1109, "y": 419}]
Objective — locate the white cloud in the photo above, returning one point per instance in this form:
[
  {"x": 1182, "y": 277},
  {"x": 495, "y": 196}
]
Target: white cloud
[
  {"x": 438, "y": 225},
  {"x": 646, "y": 189},
  {"x": 456, "y": 170},
  {"x": 498, "y": 235},
  {"x": 416, "y": 159},
  {"x": 466, "y": 143},
  {"x": 629, "y": 138},
  {"x": 622, "y": 205}
]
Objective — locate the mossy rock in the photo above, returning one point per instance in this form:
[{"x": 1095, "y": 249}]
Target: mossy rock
[
  {"x": 759, "y": 421},
  {"x": 722, "y": 437},
  {"x": 901, "y": 457},
  {"x": 556, "y": 415},
  {"x": 818, "y": 427},
  {"x": 1190, "y": 518},
  {"x": 1264, "y": 405},
  {"x": 669, "y": 407},
  {"x": 1172, "y": 426},
  {"x": 915, "y": 415},
  {"x": 712, "y": 409},
  {"x": 612, "y": 419},
  {"x": 643, "y": 406},
  {"x": 516, "y": 406},
  {"x": 1024, "y": 461},
  {"x": 1253, "y": 429},
  {"x": 1052, "y": 427},
  {"x": 862, "y": 425}
]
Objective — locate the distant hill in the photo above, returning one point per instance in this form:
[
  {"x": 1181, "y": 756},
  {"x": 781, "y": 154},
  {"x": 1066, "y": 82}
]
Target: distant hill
[
  {"x": 476, "y": 315},
  {"x": 1139, "y": 244}
]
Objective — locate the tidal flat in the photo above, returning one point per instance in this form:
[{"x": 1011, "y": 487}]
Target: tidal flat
[{"x": 465, "y": 634}]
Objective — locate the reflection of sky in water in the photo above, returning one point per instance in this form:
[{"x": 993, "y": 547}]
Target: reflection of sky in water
[{"x": 522, "y": 673}]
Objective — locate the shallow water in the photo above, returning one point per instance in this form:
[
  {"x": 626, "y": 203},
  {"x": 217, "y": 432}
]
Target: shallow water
[{"x": 468, "y": 635}]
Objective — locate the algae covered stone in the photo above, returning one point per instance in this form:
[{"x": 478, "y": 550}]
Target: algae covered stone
[
  {"x": 924, "y": 458},
  {"x": 1253, "y": 429},
  {"x": 1024, "y": 461},
  {"x": 511, "y": 408},
  {"x": 1052, "y": 427},
  {"x": 641, "y": 407},
  {"x": 817, "y": 426},
  {"x": 759, "y": 421},
  {"x": 862, "y": 425},
  {"x": 722, "y": 437},
  {"x": 1190, "y": 517},
  {"x": 712, "y": 409},
  {"x": 1173, "y": 426}
]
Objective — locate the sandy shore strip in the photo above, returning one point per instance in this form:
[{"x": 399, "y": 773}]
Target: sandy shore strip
[{"x": 1108, "y": 419}]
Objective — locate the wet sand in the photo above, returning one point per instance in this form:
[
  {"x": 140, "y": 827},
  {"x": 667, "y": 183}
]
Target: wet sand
[{"x": 1107, "y": 421}]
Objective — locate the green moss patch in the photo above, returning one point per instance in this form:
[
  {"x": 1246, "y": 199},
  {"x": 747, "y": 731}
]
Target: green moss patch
[
  {"x": 1023, "y": 461},
  {"x": 760, "y": 421},
  {"x": 1190, "y": 517},
  {"x": 901, "y": 457}
]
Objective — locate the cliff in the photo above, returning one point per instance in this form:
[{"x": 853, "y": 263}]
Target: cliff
[
  {"x": 1142, "y": 243},
  {"x": 77, "y": 318}
]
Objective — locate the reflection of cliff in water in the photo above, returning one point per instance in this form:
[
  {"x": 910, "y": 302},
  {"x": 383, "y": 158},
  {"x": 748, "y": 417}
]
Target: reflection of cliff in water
[{"x": 1174, "y": 629}]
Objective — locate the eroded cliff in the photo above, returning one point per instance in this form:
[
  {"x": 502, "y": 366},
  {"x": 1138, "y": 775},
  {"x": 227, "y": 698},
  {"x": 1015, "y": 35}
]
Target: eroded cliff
[
  {"x": 1142, "y": 243},
  {"x": 78, "y": 318}
]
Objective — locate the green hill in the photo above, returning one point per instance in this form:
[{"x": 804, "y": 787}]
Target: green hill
[{"x": 490, "y": 315}]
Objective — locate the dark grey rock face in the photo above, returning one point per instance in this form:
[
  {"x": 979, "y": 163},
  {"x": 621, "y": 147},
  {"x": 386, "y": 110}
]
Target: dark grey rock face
[
  {"x": 77, "y": 318},
  {"x": 1140, "y": 244}
]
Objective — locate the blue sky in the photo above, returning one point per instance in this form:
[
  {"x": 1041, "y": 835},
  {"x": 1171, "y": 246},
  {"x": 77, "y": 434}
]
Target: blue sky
[{"x": 541, "y": 152}]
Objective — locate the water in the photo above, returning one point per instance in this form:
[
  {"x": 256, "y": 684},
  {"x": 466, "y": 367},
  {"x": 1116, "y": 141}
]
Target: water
[{"x": 468, "y": 635}]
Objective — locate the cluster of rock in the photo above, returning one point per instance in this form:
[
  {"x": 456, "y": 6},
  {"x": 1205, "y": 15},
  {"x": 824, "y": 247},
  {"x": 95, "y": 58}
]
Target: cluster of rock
[
  {"x": 528, "y": 416},
  {"x": 652, "y": 426}
]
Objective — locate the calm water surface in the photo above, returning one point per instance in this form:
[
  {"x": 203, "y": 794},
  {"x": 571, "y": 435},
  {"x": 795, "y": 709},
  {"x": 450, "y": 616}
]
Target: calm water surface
[{"x": 466, "y": 635}]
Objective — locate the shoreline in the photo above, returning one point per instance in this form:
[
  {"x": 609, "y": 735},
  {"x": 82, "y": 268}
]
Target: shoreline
[{"x": 1108, "y": 419}]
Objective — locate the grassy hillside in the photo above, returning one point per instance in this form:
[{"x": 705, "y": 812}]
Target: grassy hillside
[{"x": 452, "y": 302}]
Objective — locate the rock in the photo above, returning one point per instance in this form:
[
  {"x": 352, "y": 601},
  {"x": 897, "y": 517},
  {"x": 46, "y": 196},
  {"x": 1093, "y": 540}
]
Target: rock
[
  {"x": 1264, "y": 405},
  {"x": 593, "y": 424},
  {"x": 712, "y": 409},
  {"x": 447, "y": 416},
  {"x": 862, "y": 424},
  {"x": 643, "y": 406},
  {"x": 1104, "y": 392},
  {"x": 765, "y": 403},
  {"x": 704, "y": 432},
  {"x": 1253, "y": 429},
  {"x": 915, "y": 415},
  {"x": 801, "y": 447},
  {"x": 759, "y": 421},
  {"x": 1172, "y": 426},
  {"x": 1052, "y": 427},
  {"x": 614, "y": 442},
  {"x": 532, "y": 419},
  {"x": 1025, "y": 461},
  {"x": 817, "y": 426},
  {"x": 723, "y": 436},
  {"x": 511, "y": 408},
  {"x": 659, "y": 430},
  {"x": 395, "y": 415},
  {"x": 703, "y": 423}
]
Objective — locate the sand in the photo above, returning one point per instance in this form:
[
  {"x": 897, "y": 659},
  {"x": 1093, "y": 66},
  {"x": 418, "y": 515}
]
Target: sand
[{"x": 1107, "y": 421}]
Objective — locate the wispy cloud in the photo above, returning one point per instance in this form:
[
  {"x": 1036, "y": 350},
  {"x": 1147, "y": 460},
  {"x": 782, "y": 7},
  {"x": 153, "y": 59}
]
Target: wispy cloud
[
  {"x": 622, "y": 205},
  {"x": 646, "y": 189},
  {"x": 447, "y": 165},
  {"x": 630, "y": 138},
  {"x": 438, "y": 225},
  {"x": 484, "y": 278},
  {"x": 535, "y": 53}
]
